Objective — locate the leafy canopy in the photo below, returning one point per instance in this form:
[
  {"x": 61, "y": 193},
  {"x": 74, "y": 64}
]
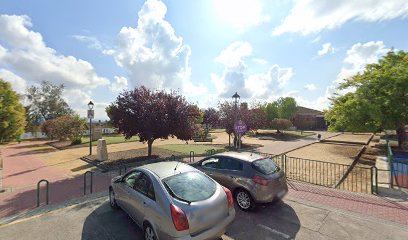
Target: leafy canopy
[
  {"x": 152, "y": 115},
  {"x": 46, "y": 103},
  {"x": 378, "y": 98},
  {"x": 12, "y": 113}
]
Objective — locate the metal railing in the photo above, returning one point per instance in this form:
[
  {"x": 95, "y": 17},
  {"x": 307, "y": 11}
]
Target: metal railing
[
  {"x": 398, "y": 169},
  {"x": 46, "y": 192},
  {"x": 334, "y": 175}
]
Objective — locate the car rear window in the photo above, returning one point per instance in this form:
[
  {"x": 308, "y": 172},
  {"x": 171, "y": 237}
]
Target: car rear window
[
  {"x": 190, "y": 186},
  {"x": 266, "y": 166}
]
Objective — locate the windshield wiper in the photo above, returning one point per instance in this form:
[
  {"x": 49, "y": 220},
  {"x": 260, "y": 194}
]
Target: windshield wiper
[{"x": 175, "y": 195}]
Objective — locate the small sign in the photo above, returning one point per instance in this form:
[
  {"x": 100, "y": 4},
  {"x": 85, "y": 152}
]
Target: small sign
[
  {"x": 240, "y": 127},
  {"x": 90, "y": 114}
]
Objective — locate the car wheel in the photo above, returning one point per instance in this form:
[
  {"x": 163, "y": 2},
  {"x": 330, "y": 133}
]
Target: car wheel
[
  {"x": 149, "y": 233},
  {"x": 112, "y": 199},
  {"x": 244, "y": 200}
]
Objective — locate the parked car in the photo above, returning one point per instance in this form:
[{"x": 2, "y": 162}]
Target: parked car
[
  {"x": 172, "y": 200},
  {"x": 251, "y": 177}
]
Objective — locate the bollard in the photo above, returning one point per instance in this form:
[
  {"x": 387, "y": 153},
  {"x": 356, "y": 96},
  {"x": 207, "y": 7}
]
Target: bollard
[
  {"x": 38, "y": 192},
  {"x": 192, "y": 155},
  {"x": 90, "y": 187}
]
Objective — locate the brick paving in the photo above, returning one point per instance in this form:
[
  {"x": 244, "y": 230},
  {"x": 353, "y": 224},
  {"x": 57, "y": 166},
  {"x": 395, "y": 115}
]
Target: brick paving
[{"x": 378, "y": 207}]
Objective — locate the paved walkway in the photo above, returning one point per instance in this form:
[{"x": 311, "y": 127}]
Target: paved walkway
[
  {"x": 377, "y": 207},
  {"x": 280, "y": 147}
]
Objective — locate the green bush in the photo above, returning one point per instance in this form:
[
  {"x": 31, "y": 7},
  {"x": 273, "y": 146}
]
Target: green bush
[{"x": 76, "y": 142}]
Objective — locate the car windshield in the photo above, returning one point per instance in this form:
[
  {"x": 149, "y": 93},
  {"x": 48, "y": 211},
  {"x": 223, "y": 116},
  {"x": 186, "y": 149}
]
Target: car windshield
[
  {"x": 266, "y": 166},
  {"x": 190, "y": 186}
]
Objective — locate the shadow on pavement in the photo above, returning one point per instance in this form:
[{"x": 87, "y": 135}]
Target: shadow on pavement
[
  {"x": 19, "y": 201},
  {"x": 106, "y": 223},
  {"x": 268, "y": 221}
]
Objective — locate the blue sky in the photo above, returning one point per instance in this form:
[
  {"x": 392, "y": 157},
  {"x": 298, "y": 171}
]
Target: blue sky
[{"x": 206, "y": 50}]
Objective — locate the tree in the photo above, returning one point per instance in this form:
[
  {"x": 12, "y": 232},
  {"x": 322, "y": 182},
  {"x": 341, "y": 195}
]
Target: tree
[
  {"x": 152, "y": 115},
  {"x": 379, "y": 98},
  {"x": 12, "y": 113},
  {"x": 46, "y": 103},
  {"x": 211, "y": 116},
  {"x": 281, "y": 124},
  {"x": 271, "y": 110},
  {"x": 66, "y": 127},
  {"x": 286, "y": 107}
]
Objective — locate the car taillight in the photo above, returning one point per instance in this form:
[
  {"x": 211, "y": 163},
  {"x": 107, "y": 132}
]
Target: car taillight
[
  {"x": 229, "y": 196},
  {"x": 260, "y": 180},
  {"x": 179, "y": 218}
]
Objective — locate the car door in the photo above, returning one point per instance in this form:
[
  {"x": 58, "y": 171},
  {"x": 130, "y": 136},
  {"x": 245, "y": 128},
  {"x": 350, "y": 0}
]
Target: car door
[
  {"x": 139, "y": 198},
  {"x": 210, "y": 166},
  {"x": 125, "y": 188},
  {"x": 231, "y": 170}
]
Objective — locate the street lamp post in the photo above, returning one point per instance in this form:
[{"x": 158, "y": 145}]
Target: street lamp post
[
  {"x": 90, "y": 116},
  {"x": 236, "y": 98}
]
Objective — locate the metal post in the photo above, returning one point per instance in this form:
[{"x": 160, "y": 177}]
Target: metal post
[
  {"x": 192, "y": 156},
  {"x": 90, "y": 136},
  {"x": 91, "y": 183},
  {"x": 46, "y": 193}
]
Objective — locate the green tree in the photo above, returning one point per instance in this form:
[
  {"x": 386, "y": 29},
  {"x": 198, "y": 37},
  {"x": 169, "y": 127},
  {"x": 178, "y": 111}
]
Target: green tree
[
  {"x": 380, "y": 99},
  {"x": 281, "y": 124},
  {"x": 286, "y": 107},
  {"x": 46, "y": 103},
  {"x": 12, "y": 113},
  {"x": 271, "y": 111}
]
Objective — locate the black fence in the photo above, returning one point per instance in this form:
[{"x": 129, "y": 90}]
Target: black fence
[{"x": 334, "y": 175}]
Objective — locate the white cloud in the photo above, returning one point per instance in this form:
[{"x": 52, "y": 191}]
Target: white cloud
[
  {"x": 241, "y": 14},
  {"x": 233, "y": 54},
  {"x": 152, "y": 54},
  {"x": 29, "y": 56},
  {"x": 311, "y": 16},
  {"x": 17, "y": 83},
  {"x": 260, "y": 61},
  {"x": 358, "y": 56},
  {"x": 316, "y": 39},
  {"x": 310, "y": 87},
  {"x": 92, "y": 42},
  {"x": 2, "y": 51},
  {"x": 326, "y": 49},
  {"x": 235, "y": 77},
  {"x": 120, "y": 84}
]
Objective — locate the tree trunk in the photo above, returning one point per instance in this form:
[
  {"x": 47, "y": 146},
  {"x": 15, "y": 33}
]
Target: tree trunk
[
  {"x": 229, "y": 140},
  {"x": 149, "y": 147},
  {"x": 402, "y": 136}
]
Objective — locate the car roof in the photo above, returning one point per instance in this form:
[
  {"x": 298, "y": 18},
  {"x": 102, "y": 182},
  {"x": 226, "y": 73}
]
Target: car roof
[
  {"x": 244, "y": 156},
  {"x": 166, "y": 169}
]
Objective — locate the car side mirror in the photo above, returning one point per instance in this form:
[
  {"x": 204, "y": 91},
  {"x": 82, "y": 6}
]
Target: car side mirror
[{"x": 118, "y": 179}]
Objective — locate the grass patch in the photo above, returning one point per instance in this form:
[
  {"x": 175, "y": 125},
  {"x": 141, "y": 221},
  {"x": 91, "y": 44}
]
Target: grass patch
[
  {"x": 110, "y": 140},
  {"x": 186, "y": 148},
  {"x": 217, "y": 130}
]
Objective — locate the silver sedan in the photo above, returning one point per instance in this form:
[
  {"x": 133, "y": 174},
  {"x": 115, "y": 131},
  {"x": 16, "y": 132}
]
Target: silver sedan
[{"x": 172, "y": 200}]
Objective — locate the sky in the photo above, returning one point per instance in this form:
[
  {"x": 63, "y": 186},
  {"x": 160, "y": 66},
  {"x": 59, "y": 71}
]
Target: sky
[{"x": 205, "y": 49}]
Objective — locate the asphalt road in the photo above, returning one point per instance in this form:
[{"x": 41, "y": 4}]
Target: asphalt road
[{"x": 290, "y": 219}]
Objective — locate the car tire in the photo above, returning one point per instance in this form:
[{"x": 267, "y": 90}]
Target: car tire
[
  {"x": 148, "y": 232},
  {"x": 244, "y": 200},
  {"x": 112, "y": 200}
]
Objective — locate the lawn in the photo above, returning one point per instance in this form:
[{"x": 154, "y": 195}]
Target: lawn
[
  {"x": 217, "y": 130},
  {"x": 186, "y": 148},
  {"x": 110, "y": 139}
]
